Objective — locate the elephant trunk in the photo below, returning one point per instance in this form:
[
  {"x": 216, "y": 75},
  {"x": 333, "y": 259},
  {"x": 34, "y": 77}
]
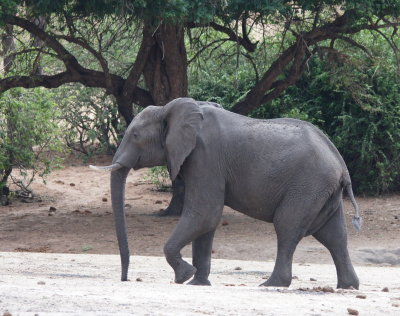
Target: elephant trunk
[{"x": 118, "y": 180}]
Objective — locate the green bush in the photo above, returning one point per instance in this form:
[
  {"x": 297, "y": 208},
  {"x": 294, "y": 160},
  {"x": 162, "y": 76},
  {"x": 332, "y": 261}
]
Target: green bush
[
  {"x": 29, "y": 136},
  {"x": 159, "y": 176}
]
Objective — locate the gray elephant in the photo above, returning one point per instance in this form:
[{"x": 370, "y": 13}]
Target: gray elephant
[{"x": 282, "y": 171}]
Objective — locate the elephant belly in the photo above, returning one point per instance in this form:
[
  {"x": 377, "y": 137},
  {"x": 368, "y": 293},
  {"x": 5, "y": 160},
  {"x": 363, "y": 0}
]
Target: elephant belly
[{"x": 255, "y": 206}]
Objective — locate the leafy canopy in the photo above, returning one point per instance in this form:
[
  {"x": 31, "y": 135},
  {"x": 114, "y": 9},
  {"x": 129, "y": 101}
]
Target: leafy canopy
[{"x": 198, "y": 10}]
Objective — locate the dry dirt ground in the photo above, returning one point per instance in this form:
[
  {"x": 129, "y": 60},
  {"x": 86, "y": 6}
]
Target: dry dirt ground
[
  {"x": 81, "y": 223},
  {"x": 75, "y": 284}
]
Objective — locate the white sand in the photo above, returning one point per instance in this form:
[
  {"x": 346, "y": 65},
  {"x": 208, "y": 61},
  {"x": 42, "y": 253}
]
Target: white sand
[{"x": 75, "y": 284}]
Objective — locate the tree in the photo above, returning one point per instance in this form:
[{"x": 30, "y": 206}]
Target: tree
[
  {"x": 29, "y": 137},
  {"x": 78, "y": 35},
  {"x": 28, "y": 130}
]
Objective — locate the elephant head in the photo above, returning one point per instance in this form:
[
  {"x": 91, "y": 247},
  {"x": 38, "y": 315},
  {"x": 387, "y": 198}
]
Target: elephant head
[{"x": 157, "y": 136}]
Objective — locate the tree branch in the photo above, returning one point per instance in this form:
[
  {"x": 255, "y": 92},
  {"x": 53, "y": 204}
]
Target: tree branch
[
  {"x": 90, "y": 78},
  {"x": 198, "y": 53},
  {"x": 30, "y": 50},
  {"x": 63, "y": 54},
  {"x": 254, "y": 98},
  {"x": 102, "y": 61},
  {"x": 260, "y": 92},
  {"x": 253, "y": 64},
  {"x": 393, "y": 45},
  {"x": 232, "y": 36},
  {"x": 74, "y": 71},
  {"x": 36, "y": 81},
  {"x": 139, "y": 64},
  {"x": 295, "y": 73},
  {"x": 354, "y": 43},
  {"x": 245, "y": 42}
]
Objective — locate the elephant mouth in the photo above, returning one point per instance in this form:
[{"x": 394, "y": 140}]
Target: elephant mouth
[
  {"x": 117, "y": 165},
  {"x": 137, "y": 164}
]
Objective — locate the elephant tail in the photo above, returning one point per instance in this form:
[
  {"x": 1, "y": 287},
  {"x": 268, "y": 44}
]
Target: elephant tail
[{"x": 357, "y": 219}]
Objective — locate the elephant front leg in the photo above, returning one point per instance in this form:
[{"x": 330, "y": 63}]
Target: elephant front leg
[
  {"x": 184, "y": 233},
  {"x": 183, "y": 270},
  {"x": 192, "y": 227},
  {"x": 201, "y": 250},
  {"x": 203, "y": 204}
]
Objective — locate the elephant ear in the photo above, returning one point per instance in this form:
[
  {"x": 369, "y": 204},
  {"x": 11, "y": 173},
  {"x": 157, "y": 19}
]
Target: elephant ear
[{"x": 183, "y": 121}]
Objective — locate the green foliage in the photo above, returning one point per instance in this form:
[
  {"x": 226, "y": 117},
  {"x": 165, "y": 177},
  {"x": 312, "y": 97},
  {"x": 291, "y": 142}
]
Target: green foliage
[
  {"x": 87, "y": 248},
  {"x": 197, "y": 10},
  {"x": 29, "y": 135},
  {"x": 221, "y": 76},
  {"x": 8, "y": 6},
  {"x": 159, "y": 176},
  {"x": 226, "y": 89}
]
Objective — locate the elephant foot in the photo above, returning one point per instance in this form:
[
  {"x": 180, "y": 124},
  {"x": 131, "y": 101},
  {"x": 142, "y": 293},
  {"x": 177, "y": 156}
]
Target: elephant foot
[
  {"x": 168, "y": 212},
  {"x": 348, "y": 285},
  {"x": 196, "y": 281},
  {"x": 184, "y": 272},
  {"x": 276, "y": 282}
]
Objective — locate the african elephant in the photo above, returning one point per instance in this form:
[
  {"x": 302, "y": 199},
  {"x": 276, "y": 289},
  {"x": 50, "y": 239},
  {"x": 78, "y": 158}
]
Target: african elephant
[{"x": 282, "y": 171}]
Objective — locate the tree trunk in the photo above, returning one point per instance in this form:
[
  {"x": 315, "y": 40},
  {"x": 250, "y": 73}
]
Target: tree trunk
[
  {"x": 165, "y": 75},
  {"x": 7, "y": 41},
  {"x": 41, "y": 22},
  {"x": 125, "y": 108},
  {"x": 165, "y": 71}
]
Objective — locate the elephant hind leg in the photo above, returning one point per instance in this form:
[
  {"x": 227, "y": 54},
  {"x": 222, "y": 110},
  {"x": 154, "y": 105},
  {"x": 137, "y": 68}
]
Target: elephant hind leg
[
  {"x": 282, "y": 274},
  {"x": 333, "y": 235},
  {"x": 292, "y": 222},
  {"x": 175, "y": 206}
]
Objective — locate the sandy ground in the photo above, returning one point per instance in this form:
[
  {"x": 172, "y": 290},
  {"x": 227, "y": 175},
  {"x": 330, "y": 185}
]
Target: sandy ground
[
  {"x": 76, "y": 284},
  {"x": 72, "y": 214},
  {"x": 82, "y": 222}
]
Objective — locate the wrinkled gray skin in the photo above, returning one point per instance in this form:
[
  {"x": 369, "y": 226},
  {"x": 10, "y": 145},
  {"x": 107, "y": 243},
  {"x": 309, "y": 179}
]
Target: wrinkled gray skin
[
  {"x": 282, "y": 171},
  {"x": 175, "y": 206}
]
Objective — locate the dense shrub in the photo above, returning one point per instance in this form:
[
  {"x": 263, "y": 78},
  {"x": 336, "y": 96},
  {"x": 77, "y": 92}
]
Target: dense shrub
[{"x": 29, "y": 136}]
